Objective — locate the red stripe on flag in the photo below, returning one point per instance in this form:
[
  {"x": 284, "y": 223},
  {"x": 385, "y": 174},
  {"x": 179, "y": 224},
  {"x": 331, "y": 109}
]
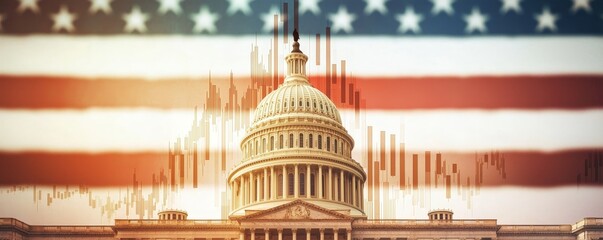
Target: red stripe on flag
[
  {"x": 583, "y": 167},
  {"x": 103, "y": 169},
  {"x": 486, "y": 92}
]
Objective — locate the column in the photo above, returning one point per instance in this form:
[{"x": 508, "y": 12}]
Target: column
[
  {"x": 265, "y": 187},
  {"x": 253, "y": 234},
  {"x": 266, "y": 233},
  {"x": 335, "y": 234},
  {"x": 284, "y": 181},
  {"x": 349, "y": 234},
  {"x": 330, "y": 188},
  {"x": 242, "y": 234},
  {"x": 308, "y": 194},
  {"x": 308, "y": 231},
  {"x": 341, "y": 186},
  {"x": 294, "y": 230},
  {"x": 296, "y": 182},
  {"x": 251, "y": 188},
  {"x": 244, "y": 189},
  {"x": 322, "y": 233},
  {"x": 240, "y": 192},
  {"x": 361, "y": 196},
  {"x": 272, "y": 183},
  {"x": 320, "y": 180},
  {"x": 280, "y": 233},
  {"x": 354, "y": 190},
  {"x": 258, "y": 188}
]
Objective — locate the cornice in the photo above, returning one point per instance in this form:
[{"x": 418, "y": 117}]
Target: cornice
[{"x": 277, "y": 159}]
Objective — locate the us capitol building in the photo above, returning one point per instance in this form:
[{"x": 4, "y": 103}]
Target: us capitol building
[{"x": 297, "y": 181}]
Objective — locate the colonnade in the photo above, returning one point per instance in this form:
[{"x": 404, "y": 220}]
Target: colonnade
[
  {"x": 294, "y": 233},
  {"x": 297, "y": 181}
]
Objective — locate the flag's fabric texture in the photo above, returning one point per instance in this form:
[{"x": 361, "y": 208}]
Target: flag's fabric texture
[{"x": 92, "y": 91}]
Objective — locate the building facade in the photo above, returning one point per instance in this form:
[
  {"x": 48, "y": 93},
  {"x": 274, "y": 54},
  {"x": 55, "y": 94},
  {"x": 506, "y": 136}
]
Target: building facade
[{"x": 297, "y": 180}]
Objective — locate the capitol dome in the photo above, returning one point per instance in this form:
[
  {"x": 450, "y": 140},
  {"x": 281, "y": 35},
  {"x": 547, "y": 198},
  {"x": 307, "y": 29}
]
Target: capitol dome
[
  {"x": 296, "y": 148},
  {"x": 294, "y": 98}
]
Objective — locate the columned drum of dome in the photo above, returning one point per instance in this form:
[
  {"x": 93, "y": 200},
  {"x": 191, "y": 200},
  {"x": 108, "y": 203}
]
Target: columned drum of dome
[{"x": 297, "y": 148}]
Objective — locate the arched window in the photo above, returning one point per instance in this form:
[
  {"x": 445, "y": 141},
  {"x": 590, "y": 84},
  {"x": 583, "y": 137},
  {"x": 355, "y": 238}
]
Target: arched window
[
  {"x": 280, "y": 141},
  {"x": 271, "y": 143},
  {"x": 319, "y": 141},
  {"x": 291, "y": 140},
  {"x": 302, "y": 184},
  {"x": 335, "y": 142},
  {"x": 312, "y": 183},
  {"x": 263, "y": 145},
  {"x": 280, "y": 185},
  {"x": 256, "y": 147},
  {"x": 301, "y": 140},
  {"x": 310, "y": 143},
  {"x": 291, "y": 183},
  {"x": 328, "y": 143}
]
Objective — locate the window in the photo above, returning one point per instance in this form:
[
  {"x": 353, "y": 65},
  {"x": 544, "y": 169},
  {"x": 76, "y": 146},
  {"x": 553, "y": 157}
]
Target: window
[
  {"x": 328, "y": 143},
  {"x": 301, "y": 140},
  {"x": 280, "y": 185},
  {"x": 310, "y": 143},
  {"x": 335, "y": 142},
  {"x": 302, "y": 184},
  {"x": 291, "y": 184},
  {"x": 280, "y": 141},
  {"x": 319, "y": 141},
  {"x": 256, "y": 147},
  {"x": 271, "y": 143},
  {"x": 291, "y": 140},
  {"x": 312, "y": 183},
  {"x": 263, "y": 145},
  {"x": 324, "y": 185}
]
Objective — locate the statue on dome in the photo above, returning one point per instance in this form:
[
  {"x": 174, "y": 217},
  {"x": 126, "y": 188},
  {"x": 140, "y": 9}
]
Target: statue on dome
[{"x": 295, "y": 35}]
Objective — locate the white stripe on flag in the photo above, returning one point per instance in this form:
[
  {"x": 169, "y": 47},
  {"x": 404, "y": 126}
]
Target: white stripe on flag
[
  {"x": 189, "y": 56},
  {"x": 98, "y": 130}
]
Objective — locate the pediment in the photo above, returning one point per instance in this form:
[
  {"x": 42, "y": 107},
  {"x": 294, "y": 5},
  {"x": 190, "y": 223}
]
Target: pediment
[{"x": 296, "y": 210}]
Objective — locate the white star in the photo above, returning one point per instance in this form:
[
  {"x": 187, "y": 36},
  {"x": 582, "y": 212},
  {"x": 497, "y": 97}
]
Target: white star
[
  {"x": 309, "y": 5},
  {"x": 239, "y": 5},
  {"x": 1, "y": 19},
  {"x": 32, "y": 5},
  {"x": 546, "y": 20},
  {"x": 63, "y": 20},
  {"x": 169, "y": 5},
  {"x": 100, "y": 5},
  {"x": 509, "y": 5},
  {"x": 342, "y": 20},
  {"x": 205, "y": 20},
  {"x": 268, "y": 19},
  {"x": 135, "y": 20},
  {"x": 476, "y": 21},
  {"x": 375, "y": 5},
  {"x": 409, "y": 21},
  {"x": 581, "y": 4},
  {"x": 442, "y": 5}
]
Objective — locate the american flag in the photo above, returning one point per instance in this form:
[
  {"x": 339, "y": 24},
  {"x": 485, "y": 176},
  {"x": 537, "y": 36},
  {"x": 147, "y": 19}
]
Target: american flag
[{"x": 99, "y": 88}]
